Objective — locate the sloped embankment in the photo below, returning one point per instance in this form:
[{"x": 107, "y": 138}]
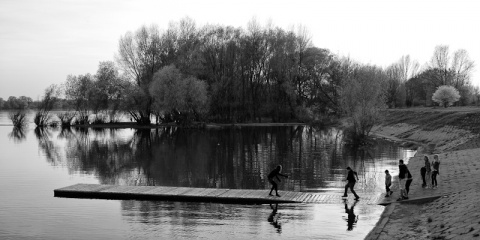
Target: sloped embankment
[
  {"x": 442, "y": 129},
  {"x": 455, "y": 133}
]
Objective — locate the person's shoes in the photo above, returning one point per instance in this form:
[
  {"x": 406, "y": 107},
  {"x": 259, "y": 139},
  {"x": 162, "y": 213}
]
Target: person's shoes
[
  {"x": 344, "y": 196},
  {"x": 270, "y": 194},
  {"x": 400, "y": 199},
  {"x": 387, "y": 195},
  {"x": 405, "y": 197}
]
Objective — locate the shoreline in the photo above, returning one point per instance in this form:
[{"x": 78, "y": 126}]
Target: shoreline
[
  {"x": 449, "y": 211},
  {"x": 134, "y": 125}
]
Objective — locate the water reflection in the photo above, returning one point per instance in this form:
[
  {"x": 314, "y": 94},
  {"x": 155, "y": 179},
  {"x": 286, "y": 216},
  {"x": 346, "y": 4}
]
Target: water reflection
[
  {"x": 220, "y": 158},
  {"x": 273, "y": 218},
  {"x": 17, "y": 134},
  {"x": 351, "y": 218},
  {"x": 314, "y": 159},
  {"x": 50, "y": 147}
]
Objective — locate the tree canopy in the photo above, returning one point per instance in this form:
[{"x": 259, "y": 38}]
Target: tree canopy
[{"x": 446, "y": 95}]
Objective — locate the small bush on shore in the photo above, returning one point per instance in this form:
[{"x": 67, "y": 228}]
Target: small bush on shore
[
  {"x": 114, "y": 117},
  {"x": 66, "y": 118},
  {"x": 99, "y": 119},
  {"x": 42, "y": 118},
  {"x": 82, "y": 119}
]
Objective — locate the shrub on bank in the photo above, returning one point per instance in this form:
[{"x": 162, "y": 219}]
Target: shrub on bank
[
  {"x": 66, "y": 118},
  {"x": 42, "y": 118}
]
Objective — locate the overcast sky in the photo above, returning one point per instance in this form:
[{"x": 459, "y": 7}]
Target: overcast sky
[{"x": 43, "y": 41}]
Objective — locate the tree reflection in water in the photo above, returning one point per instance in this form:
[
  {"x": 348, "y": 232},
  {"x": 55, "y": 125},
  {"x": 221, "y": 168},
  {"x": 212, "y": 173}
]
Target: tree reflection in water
[
  {"x": 17, "y": 134},
  {"x": 50, "y": 147},
  {"x": 239, "y": 157}
]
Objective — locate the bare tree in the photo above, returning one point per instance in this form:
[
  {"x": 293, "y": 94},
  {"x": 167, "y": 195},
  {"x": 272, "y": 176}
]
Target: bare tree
[
  {"x": 408, "y": 68},
  {"x": 42, "y": 117},
  {"x": 140, "y": 55},
  {"x": 441, "y": 61},
  {"x": 363, "y": 99},
  {"x": 394, "y": 80},
  {"x": 462, "y": 67}
]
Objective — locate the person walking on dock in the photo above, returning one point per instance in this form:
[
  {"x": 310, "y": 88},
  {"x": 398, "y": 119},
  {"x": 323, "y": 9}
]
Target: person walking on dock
[
  {"x": 351, "y": 183},
  {"x": 275, "y": 173}
]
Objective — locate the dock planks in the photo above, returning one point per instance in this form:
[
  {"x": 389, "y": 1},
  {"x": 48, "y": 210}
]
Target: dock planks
[{"x": 220, "y": 195}]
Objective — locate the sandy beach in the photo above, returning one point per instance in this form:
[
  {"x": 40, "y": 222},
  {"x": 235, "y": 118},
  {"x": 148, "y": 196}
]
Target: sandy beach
[{"x": 451, "y": 210}]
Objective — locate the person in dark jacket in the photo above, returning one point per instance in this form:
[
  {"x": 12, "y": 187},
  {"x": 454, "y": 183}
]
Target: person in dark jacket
[
  {"x": 351, "y": 182},
  {"x": 273, "y": 174},
  {"x": 423, "y": 172}
]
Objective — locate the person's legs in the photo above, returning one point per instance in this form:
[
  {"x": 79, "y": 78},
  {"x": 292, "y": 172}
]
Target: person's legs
[
  {"x": 346, "y": 188},
  {"x": 407, "y": 187},
  {"x": 274, "y": 186},
  {"x": 387, "y": 187},
  {"x": 428, "y": 176},
  {"x": 401, "y": 185},
  {"x": 351, "y": 185},
  {"x": 434, "y": 178},
  {"x": 424, "y": 184}
]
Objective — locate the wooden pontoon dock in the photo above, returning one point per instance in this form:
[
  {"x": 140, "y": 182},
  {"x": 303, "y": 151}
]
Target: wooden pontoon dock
[{"x": 219, "y": 195}]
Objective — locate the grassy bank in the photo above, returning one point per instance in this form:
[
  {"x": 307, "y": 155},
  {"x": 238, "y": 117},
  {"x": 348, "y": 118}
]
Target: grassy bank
[{"x": 436, "y": 129}]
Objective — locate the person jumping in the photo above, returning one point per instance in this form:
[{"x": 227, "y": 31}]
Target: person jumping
[{"x": 351, "y": 182}]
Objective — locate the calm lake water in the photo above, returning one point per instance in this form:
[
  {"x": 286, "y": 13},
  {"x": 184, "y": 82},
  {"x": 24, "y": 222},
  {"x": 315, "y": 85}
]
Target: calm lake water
[{"x": 34, "y": 162}]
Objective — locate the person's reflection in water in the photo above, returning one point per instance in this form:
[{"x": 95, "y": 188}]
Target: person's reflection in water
[
  {"x": 352, "y": 219},
  {"x": 273, "y": 218}
]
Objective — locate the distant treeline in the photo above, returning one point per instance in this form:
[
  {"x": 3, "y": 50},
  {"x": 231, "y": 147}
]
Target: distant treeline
[
  {"x": 24, "y": 103},
  {"x": 227, "y": 74}
]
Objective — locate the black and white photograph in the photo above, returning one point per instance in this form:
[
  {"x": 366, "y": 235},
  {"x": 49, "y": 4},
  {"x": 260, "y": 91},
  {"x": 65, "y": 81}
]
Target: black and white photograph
[{"x": 309, "y": 119}]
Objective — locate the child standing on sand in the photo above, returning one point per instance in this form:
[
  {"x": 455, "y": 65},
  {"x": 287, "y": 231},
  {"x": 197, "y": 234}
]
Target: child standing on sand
[{"x": 388, "y": 183}]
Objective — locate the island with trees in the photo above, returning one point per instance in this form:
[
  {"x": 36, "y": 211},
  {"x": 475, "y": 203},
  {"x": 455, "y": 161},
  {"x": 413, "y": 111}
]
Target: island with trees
[{"x": 189, "y": 74}]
